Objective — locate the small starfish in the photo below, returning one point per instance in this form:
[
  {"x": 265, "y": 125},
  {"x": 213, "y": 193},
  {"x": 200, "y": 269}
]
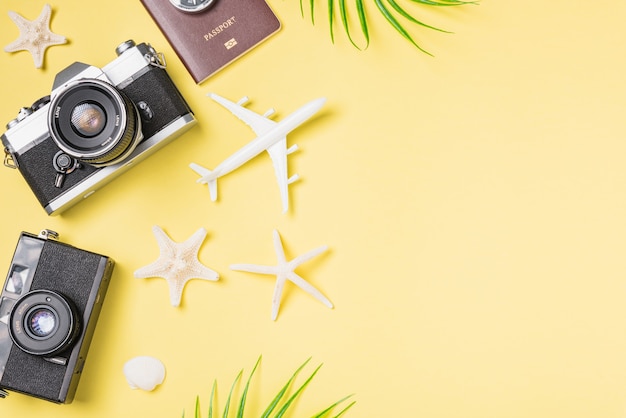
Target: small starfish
[
  {"x": 285, "y": 271},
  {"x": 178, "y": 263},
  {"x": 35, "y": 35}
]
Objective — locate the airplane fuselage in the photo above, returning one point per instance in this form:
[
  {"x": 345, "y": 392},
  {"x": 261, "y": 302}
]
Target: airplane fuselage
[{"x": 266, "y": 140}]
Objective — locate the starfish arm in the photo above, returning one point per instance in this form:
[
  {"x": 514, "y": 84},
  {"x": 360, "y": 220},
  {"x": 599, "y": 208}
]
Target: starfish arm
[
  {"x": 166, "y": 245},
  {"x": 194, "y": 242},
  {"x": 255, "y": 268},
  {"x": 155, "y": 269},
  {"x": 20, "y": 42},
  {"x": 278, "y": 247},
  {"x": 21, "y": 23},
  {"x": 51, "y": 37},
  {"x": 278, "y": 292},
  {"x": 55, "y": 39},
  {"x": 307, "y": 256},
  {"x": 309, "y": 288},
  {"x": 17, "y": 45},
  {"x": 199, "y": 271},
  {"x": 176, "y": 291},
  {"x": 37, "y": 57}
]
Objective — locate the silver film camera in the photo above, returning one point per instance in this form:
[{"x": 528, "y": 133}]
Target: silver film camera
[
  {"x": 94, "y": 125},
  {"x": 49, "y": 306}
]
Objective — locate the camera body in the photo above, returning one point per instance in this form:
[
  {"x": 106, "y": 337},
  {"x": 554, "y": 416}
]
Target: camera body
[
  {"x": 49, "y": 306},
  {"x": 95, "y": 124}
]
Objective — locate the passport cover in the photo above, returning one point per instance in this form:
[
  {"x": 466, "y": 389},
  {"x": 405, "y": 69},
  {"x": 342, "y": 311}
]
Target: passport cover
[{"x": 208, "y": 41}]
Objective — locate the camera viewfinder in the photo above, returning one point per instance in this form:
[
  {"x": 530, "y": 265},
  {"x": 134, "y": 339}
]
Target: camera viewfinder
[{"x": 17, "y": 279}]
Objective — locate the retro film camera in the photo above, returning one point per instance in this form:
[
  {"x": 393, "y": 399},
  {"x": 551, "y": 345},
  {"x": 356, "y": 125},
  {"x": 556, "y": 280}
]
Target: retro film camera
[
  {"x": 94, "y": 125},
  {"x": 49, "y": 307}
]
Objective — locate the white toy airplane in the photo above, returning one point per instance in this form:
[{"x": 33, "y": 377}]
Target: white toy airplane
[{"x": 272, "y": 137}]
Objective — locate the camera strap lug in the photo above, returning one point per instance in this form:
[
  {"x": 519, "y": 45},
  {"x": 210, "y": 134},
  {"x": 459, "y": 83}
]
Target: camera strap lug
[
  {"x": 156, "y": 59},
  {"x": 49, "y": 234},
  {"x": 8, "y": 159}
]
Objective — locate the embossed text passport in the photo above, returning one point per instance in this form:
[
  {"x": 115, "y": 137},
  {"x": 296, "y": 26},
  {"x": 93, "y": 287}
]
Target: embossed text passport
[{"x": 207, "y": 39}]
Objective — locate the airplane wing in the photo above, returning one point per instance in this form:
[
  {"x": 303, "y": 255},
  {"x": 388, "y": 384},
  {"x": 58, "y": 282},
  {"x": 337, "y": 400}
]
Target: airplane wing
[
  {"x": 259, "y": 123},
  {"x": 278, "y": 152}
]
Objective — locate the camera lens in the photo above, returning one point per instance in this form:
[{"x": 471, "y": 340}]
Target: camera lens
[
  {"x": 88, "y": 119},
  {"x": 94, "y": 122},
  {"x": 43, "y": 323}
]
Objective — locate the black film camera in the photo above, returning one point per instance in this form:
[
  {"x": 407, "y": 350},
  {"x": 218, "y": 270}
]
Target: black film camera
[
  {"x": 94, "y": 125},
  {"x": 49, "y": 307}
]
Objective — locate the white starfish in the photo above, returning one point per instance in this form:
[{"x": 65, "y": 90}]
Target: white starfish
[
  {"x": 284, "y": 271},
  {"x": 177, "y": 263},
  {"x": 35, "y": 35}
]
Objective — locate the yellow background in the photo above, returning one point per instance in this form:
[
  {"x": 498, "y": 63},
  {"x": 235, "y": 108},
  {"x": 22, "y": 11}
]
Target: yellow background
[{"x": 474, "y": 206}]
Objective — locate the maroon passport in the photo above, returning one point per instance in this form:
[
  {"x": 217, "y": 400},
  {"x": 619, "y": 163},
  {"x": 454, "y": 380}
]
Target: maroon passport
[{"x": 209, "y": 40}]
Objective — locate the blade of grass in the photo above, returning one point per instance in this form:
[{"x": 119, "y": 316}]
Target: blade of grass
[
  {"x": 331, "y": 18},
  {"x": 407, "y": 16},
  {"x": 330, "y": 408},
  {"x": 242, "y": 402},
  {"x": 397, "y": 26},
  {"x": 293, "y": 397},
  {"x": 212, "y": 399},
  {"x": 344, "y": 20},
  {"x": 311, "y": 7},
  {"x": 343, "y": 411},
  {"x": 230, "y": 394},
  {"x": 363, "y": 21},
  {"x": 197, "y": 407},
  {"x": 270, "y": 408},
  {"x": 444, "y": 2}
]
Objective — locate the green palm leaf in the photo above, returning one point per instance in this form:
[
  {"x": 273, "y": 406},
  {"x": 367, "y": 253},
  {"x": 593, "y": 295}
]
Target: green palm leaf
[
  {"x": 242, "y": 401},
  {"x": 230, "y": 394},
  {"x": 391, "y": 10},
  {"x": 270, "y": 408},
  {"x": 276, "y": 401}
]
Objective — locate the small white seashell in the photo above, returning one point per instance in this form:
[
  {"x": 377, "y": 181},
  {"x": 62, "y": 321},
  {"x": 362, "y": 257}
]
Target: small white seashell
[{"x": 144, "y": 373}]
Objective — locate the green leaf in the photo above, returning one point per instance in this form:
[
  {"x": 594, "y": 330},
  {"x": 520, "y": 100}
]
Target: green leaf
[
  {"x": 331, "y": 18},
  {"x": 330, "y": 408},
  {"x": 346, "y": 26},
  {"x": 270, "y": 408},
  {"x": 387, "y": 14},
  {"x": 242, "y": 402},
  {"x": 287, "y": 404},
  {"x": 311, "y": 6},
  {"x": 401, "y": 11},
  {"x": 344, "y": 410},
  {"x": 212, "y": 398},
  {"x": 444, "y": 2},
  {"x": 230, "y": 394},
  {"x": 274, "y": 403},
  {"x": 363, "y": 21},
  {"x": 397, "y": 26}
]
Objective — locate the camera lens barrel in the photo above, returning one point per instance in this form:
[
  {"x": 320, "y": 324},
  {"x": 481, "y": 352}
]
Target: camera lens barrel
[
  {"x": 43, "y": 323},
  {"x": 94, "y": 122}
]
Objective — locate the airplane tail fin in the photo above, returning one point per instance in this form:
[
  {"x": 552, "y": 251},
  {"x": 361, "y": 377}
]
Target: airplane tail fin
[
  {"x": 206, "y": 178},
  {"x": 213, "y": 189}
]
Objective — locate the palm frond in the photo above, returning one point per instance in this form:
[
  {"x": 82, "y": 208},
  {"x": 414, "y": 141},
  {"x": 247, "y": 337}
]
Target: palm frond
[
  {"x": 279, "y": 405},
  {"x": 391, "y": 10}
]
